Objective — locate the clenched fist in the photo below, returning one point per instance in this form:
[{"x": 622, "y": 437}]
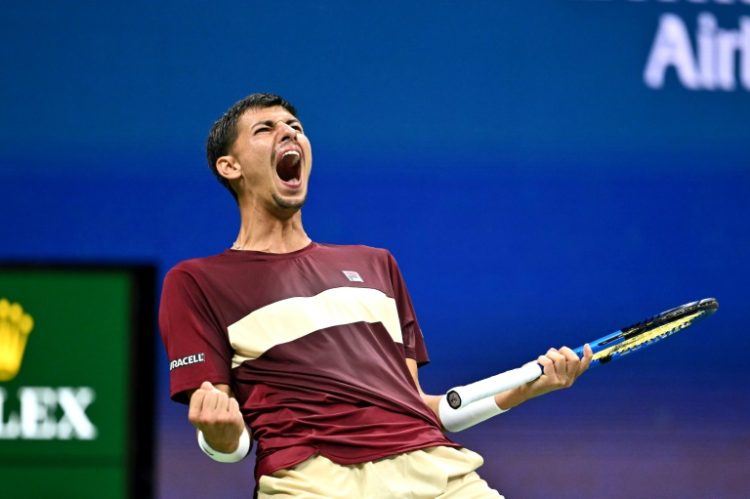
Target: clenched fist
[{"x": 217, "y": 414}]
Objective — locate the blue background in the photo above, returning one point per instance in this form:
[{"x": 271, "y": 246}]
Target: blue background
[{"x": 534, "y": 190}]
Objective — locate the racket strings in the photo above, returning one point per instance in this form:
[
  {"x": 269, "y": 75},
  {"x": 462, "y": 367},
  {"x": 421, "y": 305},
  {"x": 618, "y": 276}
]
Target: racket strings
[{"x": 647, "y": 337}]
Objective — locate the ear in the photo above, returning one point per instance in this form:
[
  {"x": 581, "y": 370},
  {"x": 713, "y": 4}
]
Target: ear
[{"x": 228, "y": 167}]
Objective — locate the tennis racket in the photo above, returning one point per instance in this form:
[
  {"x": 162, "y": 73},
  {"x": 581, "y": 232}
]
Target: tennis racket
[{"x": 608, "y": 348}]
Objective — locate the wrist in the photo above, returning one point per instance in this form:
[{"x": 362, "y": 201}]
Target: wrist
[
  {"x": 224, "y": 444},
  {"x": 512, "y": 398},
  {"x": 466, "y": 416},
  {"x": 241, "y": 450}
]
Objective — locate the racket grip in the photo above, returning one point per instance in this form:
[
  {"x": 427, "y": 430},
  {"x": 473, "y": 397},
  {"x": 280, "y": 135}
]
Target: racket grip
[{"x": 465, "y": 395}]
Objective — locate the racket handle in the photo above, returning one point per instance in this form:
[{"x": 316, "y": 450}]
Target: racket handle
[{"x": 465, "y": 395}]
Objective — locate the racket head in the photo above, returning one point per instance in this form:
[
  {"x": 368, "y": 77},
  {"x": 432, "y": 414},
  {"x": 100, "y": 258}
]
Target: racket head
[{"x": 652, "y": 330}]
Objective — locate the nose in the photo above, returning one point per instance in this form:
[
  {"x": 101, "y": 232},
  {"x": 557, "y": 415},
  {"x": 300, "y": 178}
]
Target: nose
[{"x": 287, "y": 131}]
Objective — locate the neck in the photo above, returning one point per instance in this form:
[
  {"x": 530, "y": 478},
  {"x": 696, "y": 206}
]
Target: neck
[{"x": 270, "y": 233}]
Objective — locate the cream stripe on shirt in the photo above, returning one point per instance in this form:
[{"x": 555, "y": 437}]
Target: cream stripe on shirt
[{"x": 292, "y": 318}]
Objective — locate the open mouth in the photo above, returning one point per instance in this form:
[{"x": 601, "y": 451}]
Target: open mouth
[{"x": 289, "y": 167}]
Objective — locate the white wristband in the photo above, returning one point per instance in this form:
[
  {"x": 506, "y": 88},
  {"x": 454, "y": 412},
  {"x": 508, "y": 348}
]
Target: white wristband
[
  {"x": 468, "y": 415},
  {"x": 226, "y": 457}
]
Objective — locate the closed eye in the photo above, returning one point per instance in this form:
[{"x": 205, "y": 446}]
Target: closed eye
[
  {"x": 295, "y": 125},
  {"x": 268, "y": 126}
]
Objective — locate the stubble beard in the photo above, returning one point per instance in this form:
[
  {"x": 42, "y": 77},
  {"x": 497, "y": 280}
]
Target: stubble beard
[{"x": 288, "y": 205}]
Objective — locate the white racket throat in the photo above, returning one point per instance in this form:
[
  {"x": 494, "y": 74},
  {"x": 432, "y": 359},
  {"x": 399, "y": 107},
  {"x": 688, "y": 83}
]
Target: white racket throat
[{"x": 461, "y": 396}]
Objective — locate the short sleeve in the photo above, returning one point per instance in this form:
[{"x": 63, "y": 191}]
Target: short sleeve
[
  {"x": 414, "y": 345},
  {"x": 197, "y": 346}
]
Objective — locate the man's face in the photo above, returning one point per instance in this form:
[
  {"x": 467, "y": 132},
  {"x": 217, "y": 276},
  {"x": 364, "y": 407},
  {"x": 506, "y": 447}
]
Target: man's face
[{"x": 275, "y": 158}]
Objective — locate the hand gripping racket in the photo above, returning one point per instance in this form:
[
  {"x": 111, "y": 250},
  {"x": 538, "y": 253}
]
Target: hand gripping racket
[{"x": 613, "y": 346}]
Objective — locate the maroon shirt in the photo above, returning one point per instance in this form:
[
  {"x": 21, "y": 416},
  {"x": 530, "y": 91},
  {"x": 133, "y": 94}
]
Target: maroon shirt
[{"x": 313, "y": 344}]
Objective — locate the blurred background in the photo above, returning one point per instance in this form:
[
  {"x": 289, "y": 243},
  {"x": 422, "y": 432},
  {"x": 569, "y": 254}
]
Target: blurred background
[{"x": 545, "y": 172}]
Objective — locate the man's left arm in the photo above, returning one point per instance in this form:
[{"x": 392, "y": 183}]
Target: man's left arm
[{"x": 562, "y": 367}]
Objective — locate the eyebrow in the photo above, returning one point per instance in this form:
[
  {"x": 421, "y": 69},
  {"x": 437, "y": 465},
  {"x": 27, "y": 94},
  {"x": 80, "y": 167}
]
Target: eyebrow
[{"x": 271, "y": 123}]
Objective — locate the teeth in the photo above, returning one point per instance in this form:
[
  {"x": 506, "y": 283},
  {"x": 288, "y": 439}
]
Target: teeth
[{"x": 289, "y": 153}]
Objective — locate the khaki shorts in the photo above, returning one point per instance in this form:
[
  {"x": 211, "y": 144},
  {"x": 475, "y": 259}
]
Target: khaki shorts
[{"x": 436, "y": 472}]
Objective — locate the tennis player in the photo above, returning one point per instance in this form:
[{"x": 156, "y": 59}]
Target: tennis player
[{"x": 312, "y": 349}]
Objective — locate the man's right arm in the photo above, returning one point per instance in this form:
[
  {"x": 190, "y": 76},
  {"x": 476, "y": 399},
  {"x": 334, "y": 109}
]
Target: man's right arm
[
  {"x": 216, "y": 413},
  {"x": 198, "y": 351}
]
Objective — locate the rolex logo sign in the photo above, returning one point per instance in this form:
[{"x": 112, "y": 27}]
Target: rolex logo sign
[
  {"x": 76, "y": 380},
  {"x": 15, "y": 326}
]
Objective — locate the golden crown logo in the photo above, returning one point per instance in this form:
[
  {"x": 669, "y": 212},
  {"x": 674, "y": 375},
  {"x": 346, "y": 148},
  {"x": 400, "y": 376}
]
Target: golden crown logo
[{"x": 15, "y": 326}]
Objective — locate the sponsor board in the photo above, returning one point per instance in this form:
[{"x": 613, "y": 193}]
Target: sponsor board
[{"x": 72, "y": 351}]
